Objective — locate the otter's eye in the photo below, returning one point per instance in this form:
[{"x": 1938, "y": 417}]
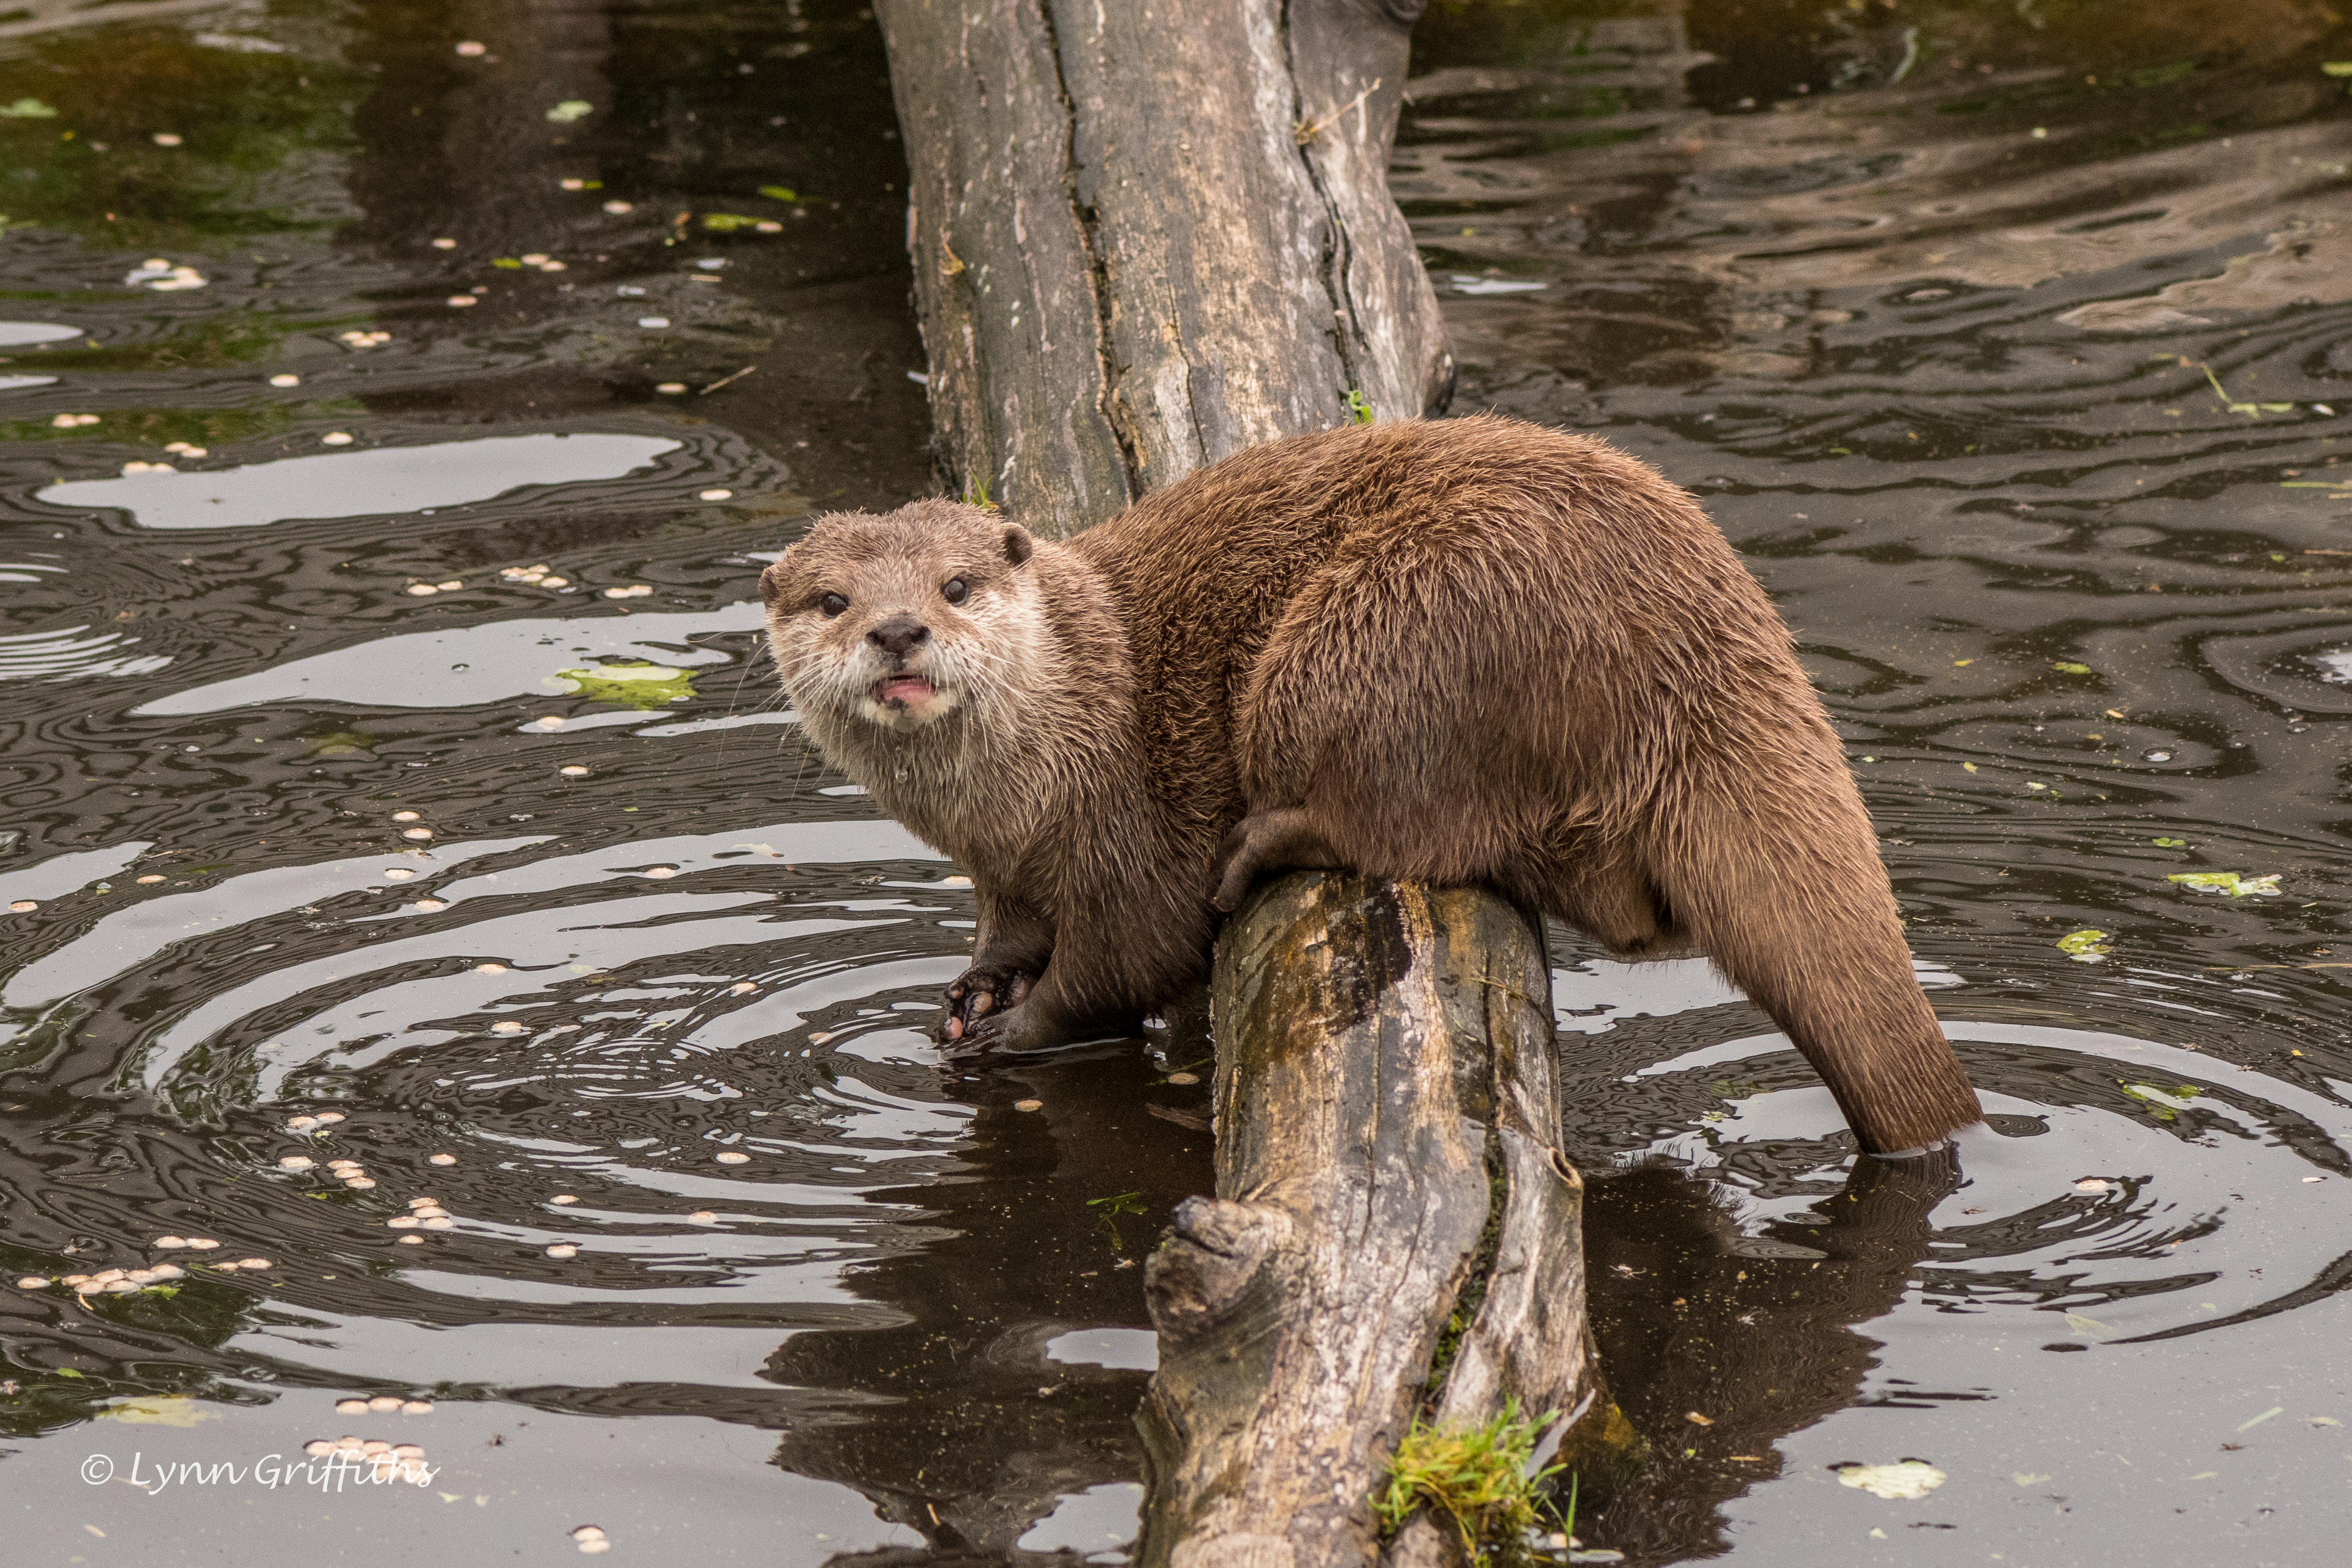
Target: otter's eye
[
  {"x": 955, "y": 592},
  {"x": 832, "y": 604}
]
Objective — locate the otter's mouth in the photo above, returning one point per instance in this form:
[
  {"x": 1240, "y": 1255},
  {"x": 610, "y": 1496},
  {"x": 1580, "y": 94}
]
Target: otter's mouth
[{"x": 900, "y": 690}]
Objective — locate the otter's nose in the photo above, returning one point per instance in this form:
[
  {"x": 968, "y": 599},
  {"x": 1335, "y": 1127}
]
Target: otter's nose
[{"x": 898, "y": 634}]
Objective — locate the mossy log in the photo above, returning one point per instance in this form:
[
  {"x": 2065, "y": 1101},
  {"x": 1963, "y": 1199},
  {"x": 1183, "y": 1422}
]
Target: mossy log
[
  {"x": 1145, "y": 236},
  {"x": 1391, "y": 1194}
]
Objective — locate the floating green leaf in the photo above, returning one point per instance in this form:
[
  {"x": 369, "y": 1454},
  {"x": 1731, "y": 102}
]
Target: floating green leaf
[
  {"x": 570, "y": 110},
  {"x": 2163, "y": 1105},
  {"x": 27, "y": 109},
  {"x": 1116, "y": 1204},
  {"x": 2169, "y": 844},
  {"x": 159, "y": 1410},
  {"x": 2064, "y": 668},
  {"x": 725, "y": 223},
  {"x": 2228, "y": 883},
  {"x": 2085, "y": 947},
  {"x": 779, "y": 192},
  {"x": 508, "y": 262},
  {"x": 640, "y": 686},
  {"x": 2336, "y": 67}
]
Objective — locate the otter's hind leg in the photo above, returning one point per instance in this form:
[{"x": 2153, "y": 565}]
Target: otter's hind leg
[
  {"x": 1284, "y": 839},
  {"x": 1779, "y": 879}
]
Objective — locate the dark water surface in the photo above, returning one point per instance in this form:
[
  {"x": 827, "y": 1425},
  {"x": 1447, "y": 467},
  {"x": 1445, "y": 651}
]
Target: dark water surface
[{"x": 1929, "y": 301}]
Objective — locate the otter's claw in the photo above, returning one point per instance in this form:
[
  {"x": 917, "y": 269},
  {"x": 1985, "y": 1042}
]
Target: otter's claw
[{"x": 976, "y": 999}]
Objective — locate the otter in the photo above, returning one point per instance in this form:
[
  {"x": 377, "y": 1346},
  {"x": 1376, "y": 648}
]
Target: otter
[{"x": 1467, "y": 651}]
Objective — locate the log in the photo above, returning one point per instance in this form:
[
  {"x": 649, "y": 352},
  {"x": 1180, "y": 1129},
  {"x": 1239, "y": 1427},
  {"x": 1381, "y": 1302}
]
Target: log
[
  {"x": 1145, "y": 236},
  {"x": 1387, "y": 1150}
]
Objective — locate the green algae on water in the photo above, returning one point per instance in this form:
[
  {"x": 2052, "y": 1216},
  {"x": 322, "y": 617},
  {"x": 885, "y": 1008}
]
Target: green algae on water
[{"x": 637, "y": 685}]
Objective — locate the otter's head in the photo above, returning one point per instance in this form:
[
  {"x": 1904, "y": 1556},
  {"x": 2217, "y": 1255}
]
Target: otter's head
[{"x": 897, "y": 622}]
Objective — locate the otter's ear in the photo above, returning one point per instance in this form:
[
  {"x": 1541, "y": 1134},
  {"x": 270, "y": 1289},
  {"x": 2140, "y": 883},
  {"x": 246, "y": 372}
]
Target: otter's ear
[
  {"x": 1017, "y": 543},
  {"x": 772, "y": 581}
]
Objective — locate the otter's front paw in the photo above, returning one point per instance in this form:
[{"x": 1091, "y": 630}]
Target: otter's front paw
[
  {"x": 981, "y": 994},
  {"x": 1015, "y": 1029}
]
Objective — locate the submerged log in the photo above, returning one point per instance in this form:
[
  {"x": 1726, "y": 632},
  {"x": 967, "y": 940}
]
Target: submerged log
[{"x": 1145, "y": 236}]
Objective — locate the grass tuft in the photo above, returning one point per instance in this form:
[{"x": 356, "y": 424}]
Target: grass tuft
[{"x": 1481, "y": 1478}]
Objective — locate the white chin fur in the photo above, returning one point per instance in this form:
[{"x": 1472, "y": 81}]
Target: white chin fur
[{"x": 904, "y": 719}]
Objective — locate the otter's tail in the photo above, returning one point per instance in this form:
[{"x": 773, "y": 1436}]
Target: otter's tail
[{"x": 1779, "y": 879}]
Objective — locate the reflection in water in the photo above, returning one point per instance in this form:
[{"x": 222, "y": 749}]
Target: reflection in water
[
  {"x": 2007, "y": 342},
  {"x": 362, "y": 485},
  {"x": 1040, "y": 1251}
]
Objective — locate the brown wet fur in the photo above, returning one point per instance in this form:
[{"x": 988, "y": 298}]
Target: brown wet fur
[{"x": 1466, "y": 650}]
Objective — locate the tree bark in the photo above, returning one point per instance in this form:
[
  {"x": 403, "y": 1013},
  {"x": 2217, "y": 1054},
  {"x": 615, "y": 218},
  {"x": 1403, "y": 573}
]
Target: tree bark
[
  {"x": 1149, "y": 234},
  {"x": 1387, "y": 1153},
  {"x": 1145, "y": 236}
]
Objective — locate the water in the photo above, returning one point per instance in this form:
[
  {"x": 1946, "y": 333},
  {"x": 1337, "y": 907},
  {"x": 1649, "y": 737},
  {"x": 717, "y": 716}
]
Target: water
[{"x": 1942, "y": 379}]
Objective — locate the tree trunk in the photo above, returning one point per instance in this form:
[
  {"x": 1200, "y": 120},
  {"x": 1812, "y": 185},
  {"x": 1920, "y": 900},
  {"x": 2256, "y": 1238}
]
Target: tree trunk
[
  {"x": 1149, "y": 234},
  {"x": 1145, "y": 236}
]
